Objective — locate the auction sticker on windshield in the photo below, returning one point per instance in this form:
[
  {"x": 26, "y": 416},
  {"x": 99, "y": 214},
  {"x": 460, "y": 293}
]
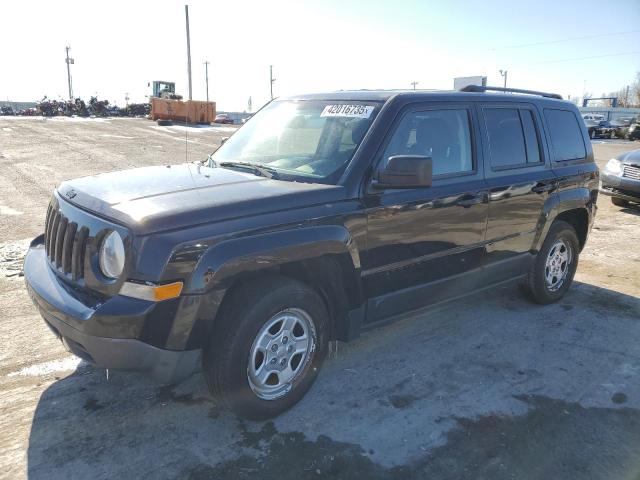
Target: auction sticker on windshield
[{"x": 351, "y": 111}]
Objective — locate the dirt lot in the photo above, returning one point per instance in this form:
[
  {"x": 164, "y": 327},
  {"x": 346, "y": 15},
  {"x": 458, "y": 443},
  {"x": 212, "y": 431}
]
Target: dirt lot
[{"x": 491, "y": 387}]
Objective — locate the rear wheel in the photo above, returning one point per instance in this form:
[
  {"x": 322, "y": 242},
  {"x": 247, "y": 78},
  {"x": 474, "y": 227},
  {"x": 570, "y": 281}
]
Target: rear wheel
[
  {"x": 619, "y": 202},
  {"x": 270, "y": 343},
  {"x": 551, "y": 273}
]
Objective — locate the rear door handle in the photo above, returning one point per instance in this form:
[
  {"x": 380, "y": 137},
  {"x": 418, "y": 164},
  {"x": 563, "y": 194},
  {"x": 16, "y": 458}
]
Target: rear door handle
[{"x": 544, "y": 187}]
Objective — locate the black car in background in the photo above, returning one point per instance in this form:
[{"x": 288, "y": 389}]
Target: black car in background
[
  {"x": 600, "y": 129},
  {"x": 621, "y": 178}
]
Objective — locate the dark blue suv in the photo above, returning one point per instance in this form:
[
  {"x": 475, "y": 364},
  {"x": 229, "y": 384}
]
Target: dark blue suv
[{"x": 322, "y": 216}]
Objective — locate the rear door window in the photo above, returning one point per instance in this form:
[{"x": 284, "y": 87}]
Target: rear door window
[
  {"x": 566, "y": 135},
  {"x": 506, "y": 140}
]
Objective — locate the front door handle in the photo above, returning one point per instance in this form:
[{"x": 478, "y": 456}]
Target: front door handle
[{"x": 471, "y": 200}]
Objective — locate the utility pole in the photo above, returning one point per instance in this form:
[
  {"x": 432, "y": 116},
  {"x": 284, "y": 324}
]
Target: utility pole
[
  {"x": 414, "y": 83},
  {"x": 206, "y": 76},
  {"x": 626, "y": 97},
  {"x": 126, "y": 99},
  {"x": 271, "y": 80},
  {"x": 69, "y": 62},
  {"x": 503, "y": 73},
  {"x": 186, "y": 13}
]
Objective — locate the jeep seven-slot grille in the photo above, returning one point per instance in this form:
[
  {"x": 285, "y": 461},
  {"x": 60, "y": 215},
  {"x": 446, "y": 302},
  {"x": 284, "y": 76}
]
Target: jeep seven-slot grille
[
  {"x": 631, "y": 171},
  {"x": 65, "y": 243}
]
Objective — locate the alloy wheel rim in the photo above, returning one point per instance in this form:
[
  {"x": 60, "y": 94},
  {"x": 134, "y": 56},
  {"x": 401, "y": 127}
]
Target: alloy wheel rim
[
  {"x": 557, "y": 265},
  {"x": 280, "y": 353}
]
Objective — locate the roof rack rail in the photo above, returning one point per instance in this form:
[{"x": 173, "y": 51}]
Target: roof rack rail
[{"x": 483, "y": 88}]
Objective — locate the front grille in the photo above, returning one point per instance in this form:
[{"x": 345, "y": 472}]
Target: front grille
[
  {"x": 65, "y": 243},
  {"x": 631, "y": 172}
]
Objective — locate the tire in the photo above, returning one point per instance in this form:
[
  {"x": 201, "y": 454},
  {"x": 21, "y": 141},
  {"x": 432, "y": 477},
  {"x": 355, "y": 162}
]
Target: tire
[
  {"x": 164, "y": 123},
  {"x": 536, "y": 284},
  {"x": 618, "y": 202},
  {"x": 232, "y": 358}
]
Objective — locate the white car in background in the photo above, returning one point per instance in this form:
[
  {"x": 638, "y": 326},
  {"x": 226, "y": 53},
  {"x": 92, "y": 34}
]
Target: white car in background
[{"x": 593, "y": 117}]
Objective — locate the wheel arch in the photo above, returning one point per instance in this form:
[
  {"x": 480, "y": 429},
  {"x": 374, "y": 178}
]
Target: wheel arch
[
  {"x": 577, "y": 207},
  {"x": 325, "y": 258},
  {"x": 578, "y": 218}
]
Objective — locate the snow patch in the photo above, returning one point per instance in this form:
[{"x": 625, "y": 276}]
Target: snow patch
[
  {"x": 115, "y": 136},
  {"x": 11, "y": 257},
  {"x": 46, "y": 368},
  {"x": 77, "y": 119},
  {"x": 4, "y": 210}
]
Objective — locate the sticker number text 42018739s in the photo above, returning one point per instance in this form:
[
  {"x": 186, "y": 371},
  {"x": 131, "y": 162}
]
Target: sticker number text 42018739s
[{"x": 352, "y": 111}]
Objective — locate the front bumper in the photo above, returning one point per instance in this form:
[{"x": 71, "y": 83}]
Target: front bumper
[
  {"x": 621, "y": 187},
  {"x": 75, "y": 321}
]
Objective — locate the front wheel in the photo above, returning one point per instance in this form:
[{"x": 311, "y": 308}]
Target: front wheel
[
  {"x": 551, "y": 273},
  {"x": 269, "y": 345}
]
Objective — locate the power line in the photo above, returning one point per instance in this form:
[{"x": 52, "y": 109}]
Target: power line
[
  {"x": 637, "y": 52},
  {"x": 561, "y": 40}
]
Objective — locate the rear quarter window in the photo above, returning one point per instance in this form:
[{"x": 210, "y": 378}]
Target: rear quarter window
[{"x": 566, "y": 135}]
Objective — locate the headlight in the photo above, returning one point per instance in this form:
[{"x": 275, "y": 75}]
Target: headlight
[
  {"x": 112, "y": 255},
  {"x": 632, "y": 127},
  {"x": 614, "y": 166}
]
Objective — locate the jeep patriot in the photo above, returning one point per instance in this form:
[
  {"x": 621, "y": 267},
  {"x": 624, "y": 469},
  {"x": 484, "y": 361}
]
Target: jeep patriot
[{"x": 321, "y": 217}]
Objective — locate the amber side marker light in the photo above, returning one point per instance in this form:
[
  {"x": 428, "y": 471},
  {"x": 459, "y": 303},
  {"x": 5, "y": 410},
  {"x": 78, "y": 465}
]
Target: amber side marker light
[{"x": 153, "y": 293}]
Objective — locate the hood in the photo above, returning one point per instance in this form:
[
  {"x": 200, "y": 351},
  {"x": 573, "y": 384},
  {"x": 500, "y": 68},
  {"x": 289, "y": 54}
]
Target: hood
[
  {"x": 152, "y": 199},
  {"x": 630, "y": 158}
]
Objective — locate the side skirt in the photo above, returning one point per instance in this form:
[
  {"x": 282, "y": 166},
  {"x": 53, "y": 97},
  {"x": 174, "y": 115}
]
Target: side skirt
[{"x": 437, "y": 305}]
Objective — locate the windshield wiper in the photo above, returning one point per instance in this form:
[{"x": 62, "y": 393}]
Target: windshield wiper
[{"x": 261, "y": 170}]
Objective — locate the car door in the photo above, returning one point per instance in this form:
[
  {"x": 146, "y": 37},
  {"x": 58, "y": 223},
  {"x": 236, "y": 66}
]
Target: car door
[
  {"x": 520, "y": 181},
  {"x": 425, "y": 245}
]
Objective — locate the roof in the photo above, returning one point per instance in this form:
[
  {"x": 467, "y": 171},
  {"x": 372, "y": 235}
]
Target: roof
[{"x": 384, "y": 95}]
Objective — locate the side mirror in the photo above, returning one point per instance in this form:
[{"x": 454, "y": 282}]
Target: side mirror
[{"x": 405, "y": 171}]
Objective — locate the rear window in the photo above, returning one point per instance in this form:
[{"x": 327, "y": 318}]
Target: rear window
[{"x": 566, "y": 136}]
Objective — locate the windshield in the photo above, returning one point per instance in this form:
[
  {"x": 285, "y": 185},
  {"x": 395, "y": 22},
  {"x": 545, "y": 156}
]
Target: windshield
[{"x": 304, "y": 140}]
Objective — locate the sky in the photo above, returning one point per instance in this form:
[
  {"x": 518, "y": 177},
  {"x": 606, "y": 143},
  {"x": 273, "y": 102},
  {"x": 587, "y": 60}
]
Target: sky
[{"x": 567, "y": 47}]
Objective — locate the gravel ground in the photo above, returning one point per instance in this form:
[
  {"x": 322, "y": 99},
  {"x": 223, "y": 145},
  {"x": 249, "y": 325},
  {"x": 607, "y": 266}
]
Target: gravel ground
[{"x": 491, "y": 387}]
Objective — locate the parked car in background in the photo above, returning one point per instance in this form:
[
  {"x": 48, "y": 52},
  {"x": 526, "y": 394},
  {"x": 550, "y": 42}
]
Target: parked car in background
[
  {"x": 601, "y": 129},
  {"x": 621, "y": 126},
  {"x": 224, "y": 119},
  {"x": 621, "y": 178},
  {"x": 593, "y": 117},
  {"x": 633, "y": 132}
]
